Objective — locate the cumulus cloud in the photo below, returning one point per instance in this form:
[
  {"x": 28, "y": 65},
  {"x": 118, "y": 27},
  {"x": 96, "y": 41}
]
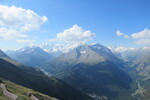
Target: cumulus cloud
[
  {"x": 142, "y": 37},
  {"x": 142, "y": 41},
  {"x": 75, "y": 34},
  {"x": 118, "y": 33},
  {"x": 9, "y": 34},
  {"x": 14, "y": 21}
]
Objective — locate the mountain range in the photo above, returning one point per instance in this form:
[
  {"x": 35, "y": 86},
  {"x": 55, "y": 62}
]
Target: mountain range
[{"x": 95, "y": 71}]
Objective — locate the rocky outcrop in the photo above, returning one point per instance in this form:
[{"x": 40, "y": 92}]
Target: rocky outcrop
[
  {"x": 32, "y": 96},
  {"x": 7, "y": 93}
]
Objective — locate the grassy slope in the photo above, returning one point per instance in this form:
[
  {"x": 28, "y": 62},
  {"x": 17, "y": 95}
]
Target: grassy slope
[{"x": 22, "y": 92}]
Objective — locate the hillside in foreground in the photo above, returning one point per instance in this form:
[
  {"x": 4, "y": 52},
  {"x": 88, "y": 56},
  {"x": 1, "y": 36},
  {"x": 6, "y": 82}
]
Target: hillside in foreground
[{"x": 22, "y": 92}]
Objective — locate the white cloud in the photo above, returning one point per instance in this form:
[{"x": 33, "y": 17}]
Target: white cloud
[
  {"x": 142, "y": 37},
  {"x": 118, "y": 33},
  {"x": 25, "y": 41},
  {"x": 8, "y": 34},
  {"x": 75, "y": 34},
  {"x": 142, "y": 41},
  {"x": 14, "y": 21}
]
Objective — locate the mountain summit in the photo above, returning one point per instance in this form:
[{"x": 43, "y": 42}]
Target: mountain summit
[{"x": 93, "y": 69}]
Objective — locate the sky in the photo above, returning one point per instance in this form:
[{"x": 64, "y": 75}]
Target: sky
[{"x": 108, "y": 22}]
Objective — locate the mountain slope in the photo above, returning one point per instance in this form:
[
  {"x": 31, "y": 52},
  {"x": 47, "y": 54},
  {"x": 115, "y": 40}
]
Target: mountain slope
[
  {"x": 94, "y": 70},
  {"x": 140, "y": 68},
  {"x": 3, "y": 55},
  {"x": 39, "y": 82},
  {"x": 138, "y": 61}
]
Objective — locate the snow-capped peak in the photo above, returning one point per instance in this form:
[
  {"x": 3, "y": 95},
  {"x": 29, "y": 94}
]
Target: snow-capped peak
[{"x": 58, "y": 47}]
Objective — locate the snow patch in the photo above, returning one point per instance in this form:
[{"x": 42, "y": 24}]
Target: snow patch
[{"x": 83, "y": 52}]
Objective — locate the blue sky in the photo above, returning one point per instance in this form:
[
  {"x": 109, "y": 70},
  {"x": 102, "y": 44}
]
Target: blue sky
[{"x": 131, "y": 18}]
